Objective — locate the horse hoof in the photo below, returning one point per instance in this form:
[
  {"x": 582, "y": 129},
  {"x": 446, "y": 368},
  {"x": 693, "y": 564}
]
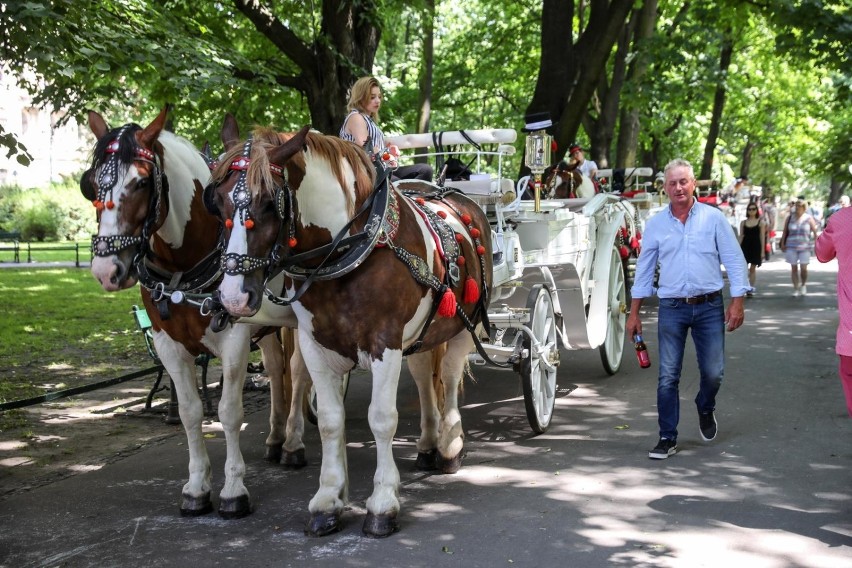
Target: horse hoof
[
  {"x": 322, "y": 524},
  {"x": 273, "y": 453},
  {"x": 235, "y": 508},
  {"x": 451, "y": 465},
  {"x": 294, "y": 460},
  {"x": 379, "y": 526},
  {"x": 195, "y": 506},
  {"x": 427, "y": 461}
]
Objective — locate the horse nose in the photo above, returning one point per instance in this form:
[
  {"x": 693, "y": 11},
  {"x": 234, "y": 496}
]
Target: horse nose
[
  {"x": 252, "y": 299},
  {"x": 119, "y": 274}
]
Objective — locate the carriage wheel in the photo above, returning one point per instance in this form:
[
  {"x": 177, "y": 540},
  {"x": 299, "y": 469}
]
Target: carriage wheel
[
  {"x": 538, "y": 369},
  {"x": 311, "y": 400},
  {"x": 612, "y": 349}
]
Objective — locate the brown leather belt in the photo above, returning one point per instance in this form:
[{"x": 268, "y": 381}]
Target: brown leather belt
[{"x": 699, "y": 299}]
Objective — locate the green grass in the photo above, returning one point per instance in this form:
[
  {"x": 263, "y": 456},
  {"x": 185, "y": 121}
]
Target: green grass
[
  {"x": 47, "y": 252},
  {"x": 58, "y": 327}
]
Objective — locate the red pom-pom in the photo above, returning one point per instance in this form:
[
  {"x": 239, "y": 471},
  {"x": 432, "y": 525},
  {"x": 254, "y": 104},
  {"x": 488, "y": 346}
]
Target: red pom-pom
[
  {"x": 474, "y": 232},
  {"x": 623, "y": 251},
  {"x": 386, "y": 156},
  {"x": 442, "y": 214},
  {"x": 638, "y": 235},
  {"x": 471, "y": 291},
  {"x": 634, "y": 243},
  {"x": 553, "y": 146},
  {"x": 459, "y": 238},
  {"x": 291, "y": 242},
  {"x": 461, "y": 260},
  {"x": 110, "y": 204},
  {"x": 229, "y": 223},
  {"x": 249, "y": 224},
  {"x": 480, "y": 250},
  {"x": 447, "y": 307},
  {"x": 420, "y": 201},
  {"x": 466, "y": 219},
  {"x": 99, "y": 205}
]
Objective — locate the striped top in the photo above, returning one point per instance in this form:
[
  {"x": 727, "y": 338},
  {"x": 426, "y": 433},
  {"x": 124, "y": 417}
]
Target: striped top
[
  {"x": 799, "y": 232},
  {"x": 836, "y": 242},
  {"x": 376, "y": 138}
]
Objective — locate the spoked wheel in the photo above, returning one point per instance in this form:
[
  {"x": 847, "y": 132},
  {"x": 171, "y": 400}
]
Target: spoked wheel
[
  {"x": 612, "y": 349},
  {"x": 311, "y": 400},
  {"x": 538, "y": 369}
]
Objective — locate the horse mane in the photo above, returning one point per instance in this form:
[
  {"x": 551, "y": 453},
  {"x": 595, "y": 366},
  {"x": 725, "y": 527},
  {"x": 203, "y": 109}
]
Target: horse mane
[
  {"x": 126, "y": 146},
  {"x": 336, "y": 151}
]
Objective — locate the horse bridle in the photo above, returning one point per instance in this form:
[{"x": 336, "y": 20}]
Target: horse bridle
[{"x": 109, "y": 245}]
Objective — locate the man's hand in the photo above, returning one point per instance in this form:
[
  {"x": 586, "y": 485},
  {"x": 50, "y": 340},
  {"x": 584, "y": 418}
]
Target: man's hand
[
  {"x": 735, "y": 316},
  {"x": 634, "y": 324}
]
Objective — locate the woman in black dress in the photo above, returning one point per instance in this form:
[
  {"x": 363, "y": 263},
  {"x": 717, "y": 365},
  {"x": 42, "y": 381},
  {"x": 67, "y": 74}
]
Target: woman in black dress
[{"x": 752, "y": 241}]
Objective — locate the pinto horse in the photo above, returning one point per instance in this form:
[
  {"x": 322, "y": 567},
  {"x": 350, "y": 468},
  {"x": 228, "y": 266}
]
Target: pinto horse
[
  {"x": 146, "y": 184},
  {"x": 564, "y": 182},
  {"x": 366, "y": 259}
]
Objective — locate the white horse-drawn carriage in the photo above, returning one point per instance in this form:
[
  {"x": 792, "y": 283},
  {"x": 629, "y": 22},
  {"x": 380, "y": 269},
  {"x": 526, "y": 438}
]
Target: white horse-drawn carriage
[{"x": 558, "y": 275}]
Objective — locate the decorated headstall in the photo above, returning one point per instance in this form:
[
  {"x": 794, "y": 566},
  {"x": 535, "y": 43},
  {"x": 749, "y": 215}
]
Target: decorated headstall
[
  {"x": 235, "y": 264},
  {"x": 108, "y": 245}
]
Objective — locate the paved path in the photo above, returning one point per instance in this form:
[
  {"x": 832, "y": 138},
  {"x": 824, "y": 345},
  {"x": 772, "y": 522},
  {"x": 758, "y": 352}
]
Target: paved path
[{"x": 774, "y": 490}]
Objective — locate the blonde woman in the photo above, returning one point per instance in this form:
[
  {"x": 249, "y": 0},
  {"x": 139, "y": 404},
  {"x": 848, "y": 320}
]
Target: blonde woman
[
  {"x": 796, "y": 244},
  {"x": 365, "y": 100},
  {"x": 752, "y": 242}
]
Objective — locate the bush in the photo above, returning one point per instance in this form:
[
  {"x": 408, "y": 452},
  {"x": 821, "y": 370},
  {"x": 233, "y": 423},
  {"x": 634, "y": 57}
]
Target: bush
[{"x": 56, "y": 213}]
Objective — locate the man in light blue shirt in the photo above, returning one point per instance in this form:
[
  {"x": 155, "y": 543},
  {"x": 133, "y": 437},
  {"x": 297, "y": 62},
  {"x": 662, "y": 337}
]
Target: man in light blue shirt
[{"x": 689, "y": 240}]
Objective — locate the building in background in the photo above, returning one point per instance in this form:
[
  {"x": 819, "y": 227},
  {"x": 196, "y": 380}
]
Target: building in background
[{"x": 58, "y": 151}]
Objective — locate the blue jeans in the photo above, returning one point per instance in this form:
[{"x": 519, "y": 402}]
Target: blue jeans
[{"x": 707, "y": 322}]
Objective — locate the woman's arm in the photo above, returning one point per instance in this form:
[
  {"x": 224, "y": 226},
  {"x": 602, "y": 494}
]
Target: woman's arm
[{"x": 356, "y": 126}]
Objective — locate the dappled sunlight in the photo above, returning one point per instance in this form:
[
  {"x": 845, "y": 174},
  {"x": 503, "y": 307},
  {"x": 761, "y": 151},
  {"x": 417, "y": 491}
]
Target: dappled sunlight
[{"x": 12, "y": 445}]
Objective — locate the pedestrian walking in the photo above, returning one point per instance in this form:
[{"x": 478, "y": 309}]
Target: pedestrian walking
[
  {"x": 796, "y": 245},
  {"x": 752, "y": 242},
  {"x": 836, "y": 242},
  {"x": 689, "y": 240}
]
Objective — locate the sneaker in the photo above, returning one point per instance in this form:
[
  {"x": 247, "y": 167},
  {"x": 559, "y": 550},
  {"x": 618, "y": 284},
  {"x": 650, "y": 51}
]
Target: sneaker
[
  {"x": 803, "y": 290},
  {"x": 707, "y": 425},
  {"x": 663, "y": 449},
  {"x": 796, "y": 292}
]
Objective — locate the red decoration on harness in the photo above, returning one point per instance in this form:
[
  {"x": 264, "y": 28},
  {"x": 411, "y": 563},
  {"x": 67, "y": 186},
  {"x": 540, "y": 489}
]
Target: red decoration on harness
[
  {"x": 474, "y": 232},
  {"x": 442, "y": 214},
  {"x": 459, "y": 238},
  {"x": 229, "y": 223},
  {"x": 249, "y": 224},
  {"x": 420, "y": 201},
  {"x": 471, "y": 291},
  {"x": 447, "y": 307},
  {"x": 466, "y": 219},
  {"x": 110, "y": 204},
  {"x": 623, "y": 251},
  {"x": 480, "y": 250},
  {"x": 99, "y": 205},
  {"x": 291, "y": 242},
  {"x": 461, "y": 260},
  {"x": 634, "y": 243}
]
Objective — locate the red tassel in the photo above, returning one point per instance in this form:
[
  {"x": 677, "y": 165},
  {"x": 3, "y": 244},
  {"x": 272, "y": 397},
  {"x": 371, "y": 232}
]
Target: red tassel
[
  {"x": 623, "y": 251},
  {"x": 471, "y": 291},
  {"x": 447, "y": 307},
  {"x": 634, "y": 243}
]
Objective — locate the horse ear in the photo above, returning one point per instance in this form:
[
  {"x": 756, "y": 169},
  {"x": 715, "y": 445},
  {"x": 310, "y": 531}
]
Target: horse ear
[
  {"x": 230, "y": 132},
  {"x": 97, "y": 125},
  {"x": 284, "y": 152},
  {"x": 149, "y": 135}
]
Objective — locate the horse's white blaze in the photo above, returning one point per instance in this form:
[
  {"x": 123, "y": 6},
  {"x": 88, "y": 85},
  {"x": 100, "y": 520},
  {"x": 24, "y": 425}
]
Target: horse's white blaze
[
  {"x": 231, "y": 290},
  {"x": 105, "y": 268}
]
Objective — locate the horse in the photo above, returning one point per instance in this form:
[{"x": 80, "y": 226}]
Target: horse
[
  {"x": 146, "y": 184},
  {"x": 565, "y": 181},
  {"x": 367, "y": 259}
]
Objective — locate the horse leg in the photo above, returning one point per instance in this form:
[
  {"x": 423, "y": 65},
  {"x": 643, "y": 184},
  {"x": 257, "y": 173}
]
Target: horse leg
[
  {"x": 383, "y": 504},
  {"x": 274, "y": 361},
  {"x": 421, "y": 366},
  {"x": 294, "y": 447},
  {"x": 234, "y": 501},
  {"x": 451, "y": 438},
  {"x": 180, "y": 364},
  {"x": 328, "y": 502}
]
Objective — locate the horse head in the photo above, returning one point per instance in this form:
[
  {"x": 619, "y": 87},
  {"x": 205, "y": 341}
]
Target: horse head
[{"x": 126, "y": 185}]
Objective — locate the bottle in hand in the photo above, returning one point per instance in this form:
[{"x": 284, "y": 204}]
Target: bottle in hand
[{"x": 641, "y": 352}]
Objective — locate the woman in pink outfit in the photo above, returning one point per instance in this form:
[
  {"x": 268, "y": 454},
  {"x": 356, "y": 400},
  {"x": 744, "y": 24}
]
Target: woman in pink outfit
[{"x": 836, "y": 242}]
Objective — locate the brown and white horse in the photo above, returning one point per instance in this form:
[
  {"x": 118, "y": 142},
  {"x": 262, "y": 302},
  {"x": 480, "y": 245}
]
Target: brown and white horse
[
  {"x": 371, "y": 267},
  {"x": 565, "y": 181},
  {"x": 147, "y": 185}
]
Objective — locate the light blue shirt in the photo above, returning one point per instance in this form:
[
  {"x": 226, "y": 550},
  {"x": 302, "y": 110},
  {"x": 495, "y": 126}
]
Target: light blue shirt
[{"x": 689, "y": 255}]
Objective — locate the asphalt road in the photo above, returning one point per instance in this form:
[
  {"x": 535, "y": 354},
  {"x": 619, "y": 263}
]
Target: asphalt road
[{"x": 773, "y": 490}]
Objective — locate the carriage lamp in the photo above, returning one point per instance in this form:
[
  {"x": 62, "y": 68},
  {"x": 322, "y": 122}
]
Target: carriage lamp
[{"x": 537, "y": 158}]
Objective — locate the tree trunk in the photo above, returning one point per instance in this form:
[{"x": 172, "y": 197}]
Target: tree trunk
[
  {"x": 747, "y": 153},
  {"x": 425, "y": 102},
  {"x": 628, "y": 132},
  {"x": 569, "y": 72},
  {"x": 329, "y": 66},
  {"x": 718, "y": 105}
]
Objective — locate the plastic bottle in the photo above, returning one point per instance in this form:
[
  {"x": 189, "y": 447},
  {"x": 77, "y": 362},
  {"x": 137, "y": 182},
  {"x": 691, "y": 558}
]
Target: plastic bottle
[{"x": 641, "y": 352}]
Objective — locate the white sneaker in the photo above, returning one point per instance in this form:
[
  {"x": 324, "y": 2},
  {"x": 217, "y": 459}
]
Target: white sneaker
[
  {"x": 796, "y": 292},
  {"x": 803, "y": 290}
]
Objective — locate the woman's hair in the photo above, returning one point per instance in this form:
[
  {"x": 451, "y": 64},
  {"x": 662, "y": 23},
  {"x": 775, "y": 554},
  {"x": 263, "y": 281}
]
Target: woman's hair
[
  {"x": 359, "y": 95},
  {"x": 756, "y": 209}
]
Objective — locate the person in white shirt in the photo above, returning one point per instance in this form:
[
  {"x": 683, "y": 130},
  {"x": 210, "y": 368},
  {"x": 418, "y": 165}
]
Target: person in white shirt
[{"x": 587, "y": 167}]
